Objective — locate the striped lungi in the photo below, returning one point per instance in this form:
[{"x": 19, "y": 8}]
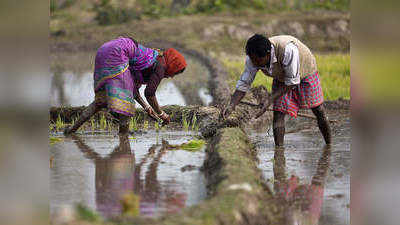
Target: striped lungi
[{"x": 308, "y": 94}]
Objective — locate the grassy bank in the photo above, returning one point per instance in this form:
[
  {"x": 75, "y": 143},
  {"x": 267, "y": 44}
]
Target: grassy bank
[{"x": 334, "y": 70}]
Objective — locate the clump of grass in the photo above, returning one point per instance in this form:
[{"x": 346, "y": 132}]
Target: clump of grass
[{"x": 333, "y": 69}]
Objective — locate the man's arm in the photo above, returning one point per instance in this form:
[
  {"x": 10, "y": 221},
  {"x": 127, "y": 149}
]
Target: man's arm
[{"x": 242, "y": 87}]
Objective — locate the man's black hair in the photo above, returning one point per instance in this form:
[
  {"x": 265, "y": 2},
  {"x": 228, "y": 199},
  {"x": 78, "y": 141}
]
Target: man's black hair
[{"x": 258, "y": 45}]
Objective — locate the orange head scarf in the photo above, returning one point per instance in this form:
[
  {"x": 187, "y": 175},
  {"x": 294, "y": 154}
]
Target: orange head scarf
[{"x": 175, "y": 62}]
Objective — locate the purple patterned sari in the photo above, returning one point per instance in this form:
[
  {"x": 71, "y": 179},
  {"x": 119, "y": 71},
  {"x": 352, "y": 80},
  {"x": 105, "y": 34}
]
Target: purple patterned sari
[{"x": 114, "y": 85}]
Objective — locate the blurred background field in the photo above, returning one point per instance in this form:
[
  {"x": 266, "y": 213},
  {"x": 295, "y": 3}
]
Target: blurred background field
[{"x": 218, "y": 28}]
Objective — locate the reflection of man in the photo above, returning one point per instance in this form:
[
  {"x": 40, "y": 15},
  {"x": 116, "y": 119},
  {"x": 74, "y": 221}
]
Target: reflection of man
[
  {"x": 296, "y": 81},
  {"x": 303, "y": 201},
  {"x": 117, "y": 174}
]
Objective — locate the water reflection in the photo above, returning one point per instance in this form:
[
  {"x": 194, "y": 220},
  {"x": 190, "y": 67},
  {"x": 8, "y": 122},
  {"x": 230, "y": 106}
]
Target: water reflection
[
  {"x": 303, "y": 202},
  {"x": 117, "y": 175}
]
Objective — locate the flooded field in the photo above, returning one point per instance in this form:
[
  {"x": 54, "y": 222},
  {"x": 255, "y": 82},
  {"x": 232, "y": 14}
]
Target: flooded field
[
  {"x": 98, "y": 172},
  {"x": 312, "y": 179},
  {"x": 72, "y": 83}
]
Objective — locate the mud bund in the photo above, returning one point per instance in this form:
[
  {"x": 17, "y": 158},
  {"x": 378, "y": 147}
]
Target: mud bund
[{"x": 236, "y": 193}]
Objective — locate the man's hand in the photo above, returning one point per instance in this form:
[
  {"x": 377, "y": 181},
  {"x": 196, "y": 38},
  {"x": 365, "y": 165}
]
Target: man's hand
[
  {"x": 151, "y": 113},
  {"x": 264, "y": 108},
  {"x": 227, "y": 111},
  {"x": 165, "y": 117}
]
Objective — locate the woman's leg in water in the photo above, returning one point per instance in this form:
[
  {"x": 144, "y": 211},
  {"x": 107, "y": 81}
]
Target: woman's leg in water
[
  {"x": 85, "y": 116},
  {"x": 123, "y": 124}
]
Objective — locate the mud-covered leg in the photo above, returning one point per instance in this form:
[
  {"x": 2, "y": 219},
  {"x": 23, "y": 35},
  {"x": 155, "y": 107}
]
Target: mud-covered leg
[
  {"x": 124, "y": 145},
  {"x": 123, "y": 124},
  {"x": 323, "y": 123},
  {"x": 279, "y": 128},
  {"x": 85, "y": 115}
]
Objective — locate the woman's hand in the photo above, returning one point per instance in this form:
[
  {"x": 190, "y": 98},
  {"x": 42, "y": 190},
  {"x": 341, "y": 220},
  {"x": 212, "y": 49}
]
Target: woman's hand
[
  {"x": 151, "y": 113},
  {"x": 165, "y": 117}
]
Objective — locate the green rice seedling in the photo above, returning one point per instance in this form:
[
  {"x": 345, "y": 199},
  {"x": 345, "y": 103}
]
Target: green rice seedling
[
  {"x": 92, "y": 124},
  {"x": 157, "y": 126},
  {"x": 109, "y": 124},
  {"x": 133, "y": 123},
  {"x": 103, "y": 122},
  {"x": 145, "y": 125},
  {"x": 59, "y": 123},
  {"x": 185, "y": 123},
  {"x": 194, "y": 121}
]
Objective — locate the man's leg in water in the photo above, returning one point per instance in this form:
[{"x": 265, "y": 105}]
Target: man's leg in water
[
  {"x": 279, "y": 127},
  {"x": 323, "y": 123},
  {"x": 85, "y": 116}
]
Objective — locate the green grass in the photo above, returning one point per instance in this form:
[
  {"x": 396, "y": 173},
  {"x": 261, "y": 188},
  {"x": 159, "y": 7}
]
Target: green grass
[{"x": 334, "y": 71}]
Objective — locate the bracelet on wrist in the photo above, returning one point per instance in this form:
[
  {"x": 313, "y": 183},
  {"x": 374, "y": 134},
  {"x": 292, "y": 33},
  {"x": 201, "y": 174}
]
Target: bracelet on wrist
[{"x": 162, "y": 114}]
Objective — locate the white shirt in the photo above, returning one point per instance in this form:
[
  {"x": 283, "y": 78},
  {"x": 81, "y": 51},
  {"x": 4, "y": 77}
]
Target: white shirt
[{"x": 291, "y": 66}]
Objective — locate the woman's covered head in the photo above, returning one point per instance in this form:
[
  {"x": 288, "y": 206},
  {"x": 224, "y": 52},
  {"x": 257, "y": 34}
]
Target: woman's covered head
[{"x": 175, "y": 61}]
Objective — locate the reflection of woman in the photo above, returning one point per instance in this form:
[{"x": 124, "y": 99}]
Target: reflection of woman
[
  {"x": 122, "y": 65},
  {"x": 114, "y": 175},
  {"x": 303, "y": 202},
  {"x": 117, "y": 174}
]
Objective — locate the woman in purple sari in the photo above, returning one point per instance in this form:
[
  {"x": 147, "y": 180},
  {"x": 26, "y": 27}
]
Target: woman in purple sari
[{"x": 121, "y": 66}]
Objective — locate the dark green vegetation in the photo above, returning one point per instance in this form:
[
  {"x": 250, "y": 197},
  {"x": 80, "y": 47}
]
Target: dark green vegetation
[{"x": 113, "y": 12}]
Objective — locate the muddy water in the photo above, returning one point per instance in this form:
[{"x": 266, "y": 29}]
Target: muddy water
[
  {"x": 72, "y": 83},
  {"x": 312, "y": 179},
  {"x": 98, "y": 172}
]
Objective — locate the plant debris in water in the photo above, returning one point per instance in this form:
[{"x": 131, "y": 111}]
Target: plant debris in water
[
  {"x": 193, "y": 145},
  {"x": 54, "y": 140}
]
